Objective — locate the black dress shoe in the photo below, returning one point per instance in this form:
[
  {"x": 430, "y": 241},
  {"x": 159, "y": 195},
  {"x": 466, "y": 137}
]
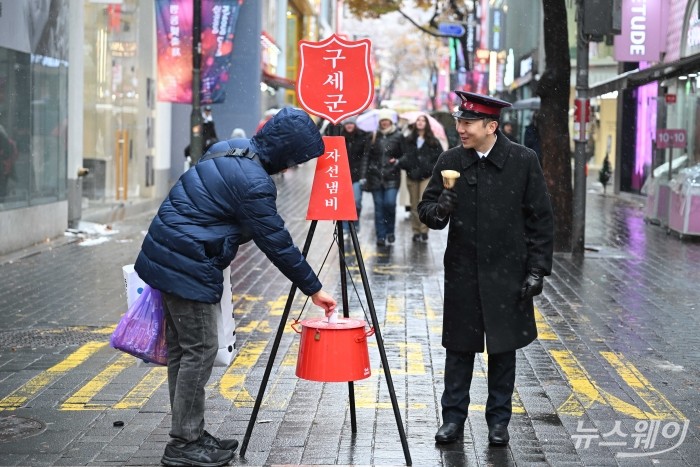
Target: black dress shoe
[
  {"x": 449, "y": 433},
  {"x": 498, "y": 435}
]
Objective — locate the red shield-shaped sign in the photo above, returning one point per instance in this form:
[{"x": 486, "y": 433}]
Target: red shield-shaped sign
[{"x": 335, "y": 77}]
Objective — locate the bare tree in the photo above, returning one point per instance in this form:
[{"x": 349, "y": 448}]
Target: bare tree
[{"x": 553, "y": 88}]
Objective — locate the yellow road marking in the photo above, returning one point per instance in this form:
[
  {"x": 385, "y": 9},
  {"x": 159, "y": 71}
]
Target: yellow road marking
[
  {"x": 21, "y": 395},
  {"x": 419, "y": 312},
  {"x": 139, "y": 395},
  {"x": 232, "y": 382},
  {"x": 659, "y": 405},
  {"x": 412, "y": 354},
  {"x": 394, "y": 310},
  {"x": 366, "y": 396},
  {"x": 586, "y": 392},
  {"x": 103, "y": 330},
  {"x": 245, "y": 298},
  {"x": 544, "y": 331},
  {"x": 277, "y": 306},
  {"x": 433, "y": 308},
  {"x": 290, "y": 358},
  {"x": 81, "y": 399},
  {"x": 387, "y": 269},
  {"x": 261, "y": 326}
]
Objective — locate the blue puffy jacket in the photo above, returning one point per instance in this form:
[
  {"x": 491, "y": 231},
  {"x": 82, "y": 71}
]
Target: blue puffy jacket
[{"x": 223, "y": 202}]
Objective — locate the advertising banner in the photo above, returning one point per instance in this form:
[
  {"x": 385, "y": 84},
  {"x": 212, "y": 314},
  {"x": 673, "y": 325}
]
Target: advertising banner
[
  {"x": 641, "y": 39},
  {"x": 174, "y": 42}
]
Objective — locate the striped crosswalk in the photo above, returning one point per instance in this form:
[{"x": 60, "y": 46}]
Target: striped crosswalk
[{"x": 412, "y": 361}]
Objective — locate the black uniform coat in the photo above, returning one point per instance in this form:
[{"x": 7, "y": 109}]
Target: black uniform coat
[{"x": 502, "y": 227}]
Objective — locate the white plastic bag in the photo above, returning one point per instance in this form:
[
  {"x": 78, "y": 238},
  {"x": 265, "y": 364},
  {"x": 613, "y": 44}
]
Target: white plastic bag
[{"x": 225, "y": 323}]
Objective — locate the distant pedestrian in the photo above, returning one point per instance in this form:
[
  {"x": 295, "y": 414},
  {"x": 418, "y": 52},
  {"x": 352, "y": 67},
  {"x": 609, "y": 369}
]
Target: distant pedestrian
[
  {"x": 509, "y": 131},
  {"x": 499, "y": 248},
  {"x": 209, "y": 135},
  {"x": 422, "y": 150},
  {"x": 382, "y": 174},
  {"x": 228, "y": 198},
  {"x": 238, "y": 133},
  {"x": 532, "y": 138},
  {"x": 269, "y": 113},
  {"x": 355, "y": 141}
]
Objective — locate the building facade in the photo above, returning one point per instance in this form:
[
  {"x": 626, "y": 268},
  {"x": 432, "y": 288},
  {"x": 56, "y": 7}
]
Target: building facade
[
  {"x": 82, "y": 132},
  {"x": 34, "y": 99}
]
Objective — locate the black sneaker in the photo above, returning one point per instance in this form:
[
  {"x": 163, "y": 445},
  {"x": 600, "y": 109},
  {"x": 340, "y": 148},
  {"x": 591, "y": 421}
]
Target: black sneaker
[
  {"x": 424, "y": 237},
  {"x": 390, "y": 238},
  {"x": 381, "y": 242},
  {"x": 194, "y": 453},
  {"x": 416, "y": 237},
  {"x": 207, "y": 439}
]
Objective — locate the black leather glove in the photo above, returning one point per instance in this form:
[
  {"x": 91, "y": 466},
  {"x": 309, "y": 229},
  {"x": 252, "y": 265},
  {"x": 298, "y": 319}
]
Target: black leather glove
[
  {"x": 533, "y": 283},
  {"x": 447, "y": 202}
]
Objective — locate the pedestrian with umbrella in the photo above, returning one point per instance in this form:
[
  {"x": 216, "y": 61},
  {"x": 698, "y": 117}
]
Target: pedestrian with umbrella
[
  {"x": 421, "y": 153},
  {"x": 382, "y": 176}
]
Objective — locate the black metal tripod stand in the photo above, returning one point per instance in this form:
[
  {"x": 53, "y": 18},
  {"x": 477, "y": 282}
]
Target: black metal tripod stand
[{"x": 375, "y": 324}]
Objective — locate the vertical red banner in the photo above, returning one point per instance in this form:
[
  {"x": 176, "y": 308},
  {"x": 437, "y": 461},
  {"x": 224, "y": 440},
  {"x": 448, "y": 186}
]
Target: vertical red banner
[
  {"x": 331, "y": 193},
  {"x": 174, "y": 45}
]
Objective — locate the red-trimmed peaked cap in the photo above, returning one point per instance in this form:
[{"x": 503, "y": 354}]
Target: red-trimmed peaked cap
[{"x": 477, "y": 106}]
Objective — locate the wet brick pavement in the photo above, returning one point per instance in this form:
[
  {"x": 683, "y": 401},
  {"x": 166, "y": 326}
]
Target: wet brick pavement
[{"x": 612, "y": 380}]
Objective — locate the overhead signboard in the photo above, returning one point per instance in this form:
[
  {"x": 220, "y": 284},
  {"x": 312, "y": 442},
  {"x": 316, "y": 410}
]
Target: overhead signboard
[{"x": 641, "y": 30}]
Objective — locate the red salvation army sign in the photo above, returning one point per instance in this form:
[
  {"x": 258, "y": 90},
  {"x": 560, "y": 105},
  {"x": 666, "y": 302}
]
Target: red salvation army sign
[{"x": 335, "y": 77}]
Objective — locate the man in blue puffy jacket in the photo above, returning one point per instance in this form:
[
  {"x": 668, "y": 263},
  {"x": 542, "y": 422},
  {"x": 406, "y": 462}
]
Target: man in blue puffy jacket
[{"x": 225, "y": 200}]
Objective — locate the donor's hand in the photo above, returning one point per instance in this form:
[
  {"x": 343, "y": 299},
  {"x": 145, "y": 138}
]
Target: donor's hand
[{"x": 325, "y": 301}]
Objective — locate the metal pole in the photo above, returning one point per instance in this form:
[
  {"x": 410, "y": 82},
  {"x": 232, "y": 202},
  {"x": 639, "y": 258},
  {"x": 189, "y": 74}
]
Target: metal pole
[
  {"x": 196, "y": 144},
  {"x": 274, "y": 348},
  {"x": 380, "y": 344},
  {"x": 346, "y": 314},
  {"x": 579, "y": 194}
]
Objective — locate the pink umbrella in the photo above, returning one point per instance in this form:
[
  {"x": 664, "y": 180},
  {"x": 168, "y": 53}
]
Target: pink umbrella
[
  {"x": 369, "y": 120},
  {"x": 438, "y": 129}
]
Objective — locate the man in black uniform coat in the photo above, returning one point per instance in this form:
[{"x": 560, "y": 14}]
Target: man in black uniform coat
[{"x": 499, "y": 248}]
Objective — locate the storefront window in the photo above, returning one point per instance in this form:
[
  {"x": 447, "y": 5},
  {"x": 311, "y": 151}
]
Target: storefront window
[
  {"x": 110, "y": 100},
  {"x": 33, "y": 104},
  {"x": 294, "y": 35}
]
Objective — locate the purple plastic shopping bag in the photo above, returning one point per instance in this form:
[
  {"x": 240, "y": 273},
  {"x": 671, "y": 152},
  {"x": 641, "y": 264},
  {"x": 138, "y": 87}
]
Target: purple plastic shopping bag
[{"x": 141, "y": 331}]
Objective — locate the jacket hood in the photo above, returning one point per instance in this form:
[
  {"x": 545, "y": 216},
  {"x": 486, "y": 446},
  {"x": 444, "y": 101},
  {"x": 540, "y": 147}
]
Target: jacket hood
[{"x": 289, "y": 138}]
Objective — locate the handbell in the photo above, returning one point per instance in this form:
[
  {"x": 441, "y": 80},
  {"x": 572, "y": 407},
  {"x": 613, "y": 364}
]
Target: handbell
[{"x": 449, "y": 178}]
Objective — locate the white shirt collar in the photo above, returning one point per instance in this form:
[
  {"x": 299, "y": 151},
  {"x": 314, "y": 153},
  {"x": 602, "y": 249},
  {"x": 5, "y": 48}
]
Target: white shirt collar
[{"x": 484, "y": 154}]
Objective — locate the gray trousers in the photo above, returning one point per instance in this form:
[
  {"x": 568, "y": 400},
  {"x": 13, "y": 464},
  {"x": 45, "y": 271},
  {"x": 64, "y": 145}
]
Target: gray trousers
[{"x": 192, "y": 339}]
